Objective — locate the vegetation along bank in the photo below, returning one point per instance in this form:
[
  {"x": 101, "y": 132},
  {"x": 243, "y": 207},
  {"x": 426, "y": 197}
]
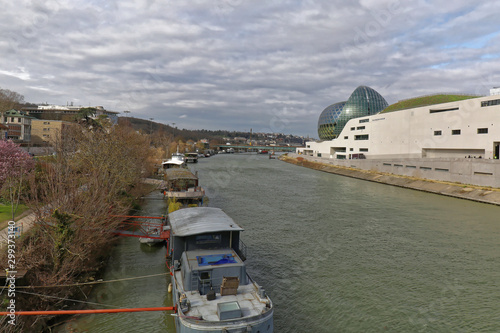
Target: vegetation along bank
[{"x": 74, "y": 195}]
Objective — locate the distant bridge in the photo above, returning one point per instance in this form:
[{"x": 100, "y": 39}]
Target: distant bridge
[{"x": 256, "y": 148}]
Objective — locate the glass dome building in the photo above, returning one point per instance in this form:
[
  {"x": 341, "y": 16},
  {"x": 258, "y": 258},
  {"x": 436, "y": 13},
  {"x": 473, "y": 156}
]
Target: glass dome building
[
  {"x": 328, "y": 119},
  {"x": 364, "y": 101}
]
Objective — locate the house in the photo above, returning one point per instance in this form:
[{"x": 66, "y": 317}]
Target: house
[
  {"x": 18, "y": 124},
  {"x": 66, "y": 112},
  {"x": 49, "y": 132},
  {"x": 3, "y": 131}
]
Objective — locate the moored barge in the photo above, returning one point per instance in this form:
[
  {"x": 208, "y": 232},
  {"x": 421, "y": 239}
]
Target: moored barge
[{"x": 211, "y": 287}]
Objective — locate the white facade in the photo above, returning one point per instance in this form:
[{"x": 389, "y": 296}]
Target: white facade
[{"x": 468, "y": 128}]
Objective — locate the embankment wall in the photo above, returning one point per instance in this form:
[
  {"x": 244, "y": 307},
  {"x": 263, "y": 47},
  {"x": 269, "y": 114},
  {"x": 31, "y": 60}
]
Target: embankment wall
[{"x": 352, "y": 168}]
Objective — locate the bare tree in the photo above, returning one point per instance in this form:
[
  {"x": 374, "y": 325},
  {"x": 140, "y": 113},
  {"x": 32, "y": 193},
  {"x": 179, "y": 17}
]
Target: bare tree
[
  {"x": 10, "y": 100},
  {"x": 75, "y": 196}
]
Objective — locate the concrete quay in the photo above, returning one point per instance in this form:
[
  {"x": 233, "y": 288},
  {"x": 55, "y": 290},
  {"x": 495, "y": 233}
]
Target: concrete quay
[{"x": 484, "y": 194}]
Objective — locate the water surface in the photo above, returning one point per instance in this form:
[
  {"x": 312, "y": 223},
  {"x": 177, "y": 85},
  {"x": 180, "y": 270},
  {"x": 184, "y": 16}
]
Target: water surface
[{"x": 335, "y": 254}]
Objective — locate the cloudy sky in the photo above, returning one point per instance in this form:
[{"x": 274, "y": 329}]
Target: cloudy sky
[{"x": 269, "y": 65}]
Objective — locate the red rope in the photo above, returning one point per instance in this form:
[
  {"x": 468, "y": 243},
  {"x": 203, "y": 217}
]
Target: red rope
[
  {"x": 141, "y": 217},
  {"x": 71, "y": 312}
]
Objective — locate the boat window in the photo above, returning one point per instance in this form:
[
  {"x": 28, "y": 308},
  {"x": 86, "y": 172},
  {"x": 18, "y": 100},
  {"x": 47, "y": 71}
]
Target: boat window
[{"x": 208, "y": 239}]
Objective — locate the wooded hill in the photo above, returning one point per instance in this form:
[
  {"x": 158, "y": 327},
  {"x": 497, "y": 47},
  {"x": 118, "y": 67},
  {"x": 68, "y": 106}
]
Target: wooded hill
[{"x": 147, "y": 126}]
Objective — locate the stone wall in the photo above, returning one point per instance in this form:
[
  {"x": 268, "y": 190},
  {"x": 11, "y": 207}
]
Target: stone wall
[{"x": 413, "y": 174}]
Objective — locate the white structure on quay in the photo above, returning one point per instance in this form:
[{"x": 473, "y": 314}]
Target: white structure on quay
[{"x": 454, "y": 141}]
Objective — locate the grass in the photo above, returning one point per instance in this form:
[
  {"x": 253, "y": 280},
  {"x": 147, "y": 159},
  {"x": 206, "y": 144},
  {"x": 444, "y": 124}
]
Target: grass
[
  {"x": 424, "y": 101},
  {"x": 6, "y": 215}
]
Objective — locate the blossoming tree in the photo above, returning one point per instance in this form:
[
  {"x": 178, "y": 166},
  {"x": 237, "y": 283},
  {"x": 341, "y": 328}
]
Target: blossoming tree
[{"x": 15, "y": 165}]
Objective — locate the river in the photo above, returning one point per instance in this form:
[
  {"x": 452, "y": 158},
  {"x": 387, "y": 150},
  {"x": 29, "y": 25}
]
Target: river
[{"x": 335, "y": 254}]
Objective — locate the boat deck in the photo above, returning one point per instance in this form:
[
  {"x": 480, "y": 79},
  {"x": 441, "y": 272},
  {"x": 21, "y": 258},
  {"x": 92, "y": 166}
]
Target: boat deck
[
  {"x": 191, "y": 193},
  {"x": 247, "y": 297}
]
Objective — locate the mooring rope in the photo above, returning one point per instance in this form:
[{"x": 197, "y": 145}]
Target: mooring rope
[{"x": 93, "y": 282}]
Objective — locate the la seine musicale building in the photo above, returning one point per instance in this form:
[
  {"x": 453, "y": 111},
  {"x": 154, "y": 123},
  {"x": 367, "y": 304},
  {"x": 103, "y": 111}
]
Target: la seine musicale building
[{"x": 435, "y": 137}]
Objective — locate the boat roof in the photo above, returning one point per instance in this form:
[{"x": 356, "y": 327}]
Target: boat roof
[
  {"x": 179, "y": 173},
  {"x": 174, "y": 161},
  {"x": 200, "y": 220}
]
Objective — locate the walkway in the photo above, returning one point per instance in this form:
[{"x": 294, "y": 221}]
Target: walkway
[{"x": 24, "y": 224}]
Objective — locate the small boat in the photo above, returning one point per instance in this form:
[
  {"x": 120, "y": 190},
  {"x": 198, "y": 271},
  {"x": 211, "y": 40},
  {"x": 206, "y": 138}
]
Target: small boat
[
  {"x": 211, "y": 288},
  {"x": 153, "y": 232},
  {"x": 191, "y": 157}
]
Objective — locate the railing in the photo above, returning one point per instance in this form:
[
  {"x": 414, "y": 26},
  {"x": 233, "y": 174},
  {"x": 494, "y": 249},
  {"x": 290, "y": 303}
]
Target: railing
[
  {"x": 194, "y": 282},
  {"x": 242, "y": 251},
  {"x": 195, "y": 193}
]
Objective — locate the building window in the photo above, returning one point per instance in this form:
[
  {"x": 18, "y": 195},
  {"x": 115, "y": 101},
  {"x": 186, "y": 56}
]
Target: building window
[
  {"x": 361, "y": 137},
  {"x": 482, "y": 131},
  {"x": 490, "y": 103},
  {"x": 437, "y": 132},
  {"x": 353, "y": 128},
  {"x": 18, "y": 120},
  {"x": 346, "y": 137},
  {"x": 351, "y": 149},
  {"x": 442, "y": 110},
  {"x": 360, "y": 128},
  {"x": 363, "y": 149},
  {"x": 455, "y": 132},
  {"x": 364, "y": 120}
]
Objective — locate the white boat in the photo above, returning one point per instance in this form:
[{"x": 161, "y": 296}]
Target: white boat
[
  {"x": 176, "y": 161},
  {"x": 211, "y": 287}
]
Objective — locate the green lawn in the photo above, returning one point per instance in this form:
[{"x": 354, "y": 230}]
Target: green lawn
[
  {"x": 6, "y": 215},
  {"x": 424, "y": 101}
]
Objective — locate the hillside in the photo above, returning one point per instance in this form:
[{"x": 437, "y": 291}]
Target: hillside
[{"x": 147, "y": 126}]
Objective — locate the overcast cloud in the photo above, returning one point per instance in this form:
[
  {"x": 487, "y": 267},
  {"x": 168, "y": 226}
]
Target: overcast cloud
[{"x": 237, "y": 64}]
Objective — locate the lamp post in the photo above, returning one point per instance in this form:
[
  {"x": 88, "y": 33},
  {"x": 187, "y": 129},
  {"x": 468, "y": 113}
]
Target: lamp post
[{"x": 151, "y": 125}]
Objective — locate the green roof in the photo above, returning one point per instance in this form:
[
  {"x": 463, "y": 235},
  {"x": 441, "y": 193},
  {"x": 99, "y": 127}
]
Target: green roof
[{"x": 426, "y": 100}]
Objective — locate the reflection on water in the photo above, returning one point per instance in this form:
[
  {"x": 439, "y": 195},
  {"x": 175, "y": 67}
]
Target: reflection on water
[{"x": 335, "y": 254}]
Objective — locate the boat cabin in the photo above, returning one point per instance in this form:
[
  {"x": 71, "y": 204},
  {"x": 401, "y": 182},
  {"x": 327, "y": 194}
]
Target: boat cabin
[
  {"x": 180, "y": 180},
  {"x": 182, "y": 185},
  {"x": 205, "y": 245},
  {"x": 177, "y": 160}
]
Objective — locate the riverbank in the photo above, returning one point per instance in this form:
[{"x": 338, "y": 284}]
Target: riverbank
[
  {"x": 26, "y": 220},
  {"x": 482, "y": 194}
]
